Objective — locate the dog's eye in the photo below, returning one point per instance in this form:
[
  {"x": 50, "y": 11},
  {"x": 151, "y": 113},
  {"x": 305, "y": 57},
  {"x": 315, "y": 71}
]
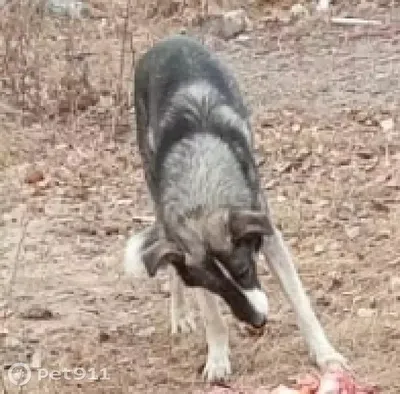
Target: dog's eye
[
  {"x": 257, "y": 244},
  {"x": 252, "y": 242}
]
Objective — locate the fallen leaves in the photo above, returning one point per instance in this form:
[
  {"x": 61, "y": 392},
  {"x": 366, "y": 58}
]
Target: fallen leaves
[
  {"x": 37, "y": 313},
  {"x": 380, "y": 206},
  {"x": 366, "y": 312},
  {"x": 33, "y": 176}
]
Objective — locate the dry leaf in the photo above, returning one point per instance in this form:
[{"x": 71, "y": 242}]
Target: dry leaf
[{"x": 34, "y": 176}]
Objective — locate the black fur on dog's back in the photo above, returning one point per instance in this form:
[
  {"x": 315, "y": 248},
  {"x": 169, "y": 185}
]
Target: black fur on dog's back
[{"x": 177, "y": 62}]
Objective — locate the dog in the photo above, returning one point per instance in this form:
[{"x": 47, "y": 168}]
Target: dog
[{"x": 212, "y": 219}]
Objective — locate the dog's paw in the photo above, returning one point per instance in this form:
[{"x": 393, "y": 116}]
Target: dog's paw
[
  {"x": 332, "y": 361},
  {"x": 218, "y": 367},
  {"x": 182, "y": 322}
]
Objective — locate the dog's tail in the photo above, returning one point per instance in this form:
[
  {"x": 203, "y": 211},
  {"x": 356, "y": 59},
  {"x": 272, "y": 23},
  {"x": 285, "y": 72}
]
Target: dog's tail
[{"x": 133, "y": 261}]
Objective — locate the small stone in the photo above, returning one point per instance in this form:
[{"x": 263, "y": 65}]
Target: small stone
[
  {"x": 352, "y": 232},
  {"x": 281, "y": 198},
  {"x": 395, "y": 284},
  {"x": 366, "y": 312},
  {"x": 296, "y": 127},
  {"x": 324, "y": 203},
  {"x": 243, "y": 39},
  {"x": 34, "y": 176},
  {"x": 319, "y": 248},
  {"x": 232, "y": 23},
  {"x": 69, "y": 8},
  {"x": 298, "y": 11},
  {"x": 146, "y": 332},
  {"x": 323, "y": 5},
  {"x": 387, "y": 124},
  {"x": 106, "y": 101}
]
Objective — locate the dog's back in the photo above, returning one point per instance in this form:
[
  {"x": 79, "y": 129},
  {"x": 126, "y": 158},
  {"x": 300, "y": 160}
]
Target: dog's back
[
  {"x": 192, "y": 129},
  {"x": 178, "y": 61}
]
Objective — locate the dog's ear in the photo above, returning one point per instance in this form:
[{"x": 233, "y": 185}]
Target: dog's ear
[
  {"x": 188, "y": 240},
  {"x": 160, "y": 254},
  {"x": 217, "y": 233},
  {"x": 244, "y": 223}
]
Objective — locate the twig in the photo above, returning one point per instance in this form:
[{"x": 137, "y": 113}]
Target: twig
[
  {"x": 123, "y": 44},
  {"x": 355, "y": 21},
  {"x": 323, "y": 5},
  {"x": 8, "y": 293},
  {"x": 79, "y": 56},
  {"x": 119, "y": 104},
  {"x": 143, "y": 219}
]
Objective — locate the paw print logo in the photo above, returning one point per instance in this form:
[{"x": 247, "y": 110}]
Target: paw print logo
[{"x": 19, "y": 374}]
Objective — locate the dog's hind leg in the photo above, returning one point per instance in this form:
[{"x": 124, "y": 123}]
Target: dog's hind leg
[
  {"x": 182, "y": 320},
  {"x": 218, "y": 366},
  {"x": 280, "y": 261}
]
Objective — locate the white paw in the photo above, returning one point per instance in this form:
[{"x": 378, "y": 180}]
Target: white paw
[
  {"x": 182, "y": 321},
  {"x": 331, "y": 360},
  {"x": 218, "y": 366}
]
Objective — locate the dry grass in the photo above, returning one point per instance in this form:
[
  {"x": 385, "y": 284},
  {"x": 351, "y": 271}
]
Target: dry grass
[{"x": 319, "y": 94}]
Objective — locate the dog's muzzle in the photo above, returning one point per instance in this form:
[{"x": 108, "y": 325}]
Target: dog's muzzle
[
  {"x": 249, "y": 306},
  {"x": 260, "y": 321}
]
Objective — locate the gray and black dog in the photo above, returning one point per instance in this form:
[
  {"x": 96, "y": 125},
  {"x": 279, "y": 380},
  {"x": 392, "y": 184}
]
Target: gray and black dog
[{"x": 212, "y": 219}]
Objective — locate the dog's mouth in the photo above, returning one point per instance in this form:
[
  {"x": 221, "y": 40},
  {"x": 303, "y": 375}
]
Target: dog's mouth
[
  {"x": 248, "y": 305},
  {"x": 260, "y": 322},
  {"x": 246, "y": 313}
]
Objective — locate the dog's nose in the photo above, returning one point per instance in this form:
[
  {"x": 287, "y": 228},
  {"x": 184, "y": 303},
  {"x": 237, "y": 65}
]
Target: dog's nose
[{"x": 261, "y": 321}]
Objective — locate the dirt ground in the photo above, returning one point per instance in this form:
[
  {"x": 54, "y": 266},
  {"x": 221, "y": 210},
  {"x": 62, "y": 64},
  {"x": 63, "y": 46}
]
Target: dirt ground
[{"x": 325, "y": 101}]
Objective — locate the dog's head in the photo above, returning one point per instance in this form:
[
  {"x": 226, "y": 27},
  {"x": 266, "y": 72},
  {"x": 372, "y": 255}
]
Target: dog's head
[{"x": 217, "y": 252}]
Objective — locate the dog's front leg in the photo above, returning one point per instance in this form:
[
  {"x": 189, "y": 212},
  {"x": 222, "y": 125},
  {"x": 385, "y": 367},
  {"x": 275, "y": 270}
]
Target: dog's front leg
[
  {"x": 280, "y": 260},
  {"x": 181, "y": 318},
  {"x": 218, "y": 366}
]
